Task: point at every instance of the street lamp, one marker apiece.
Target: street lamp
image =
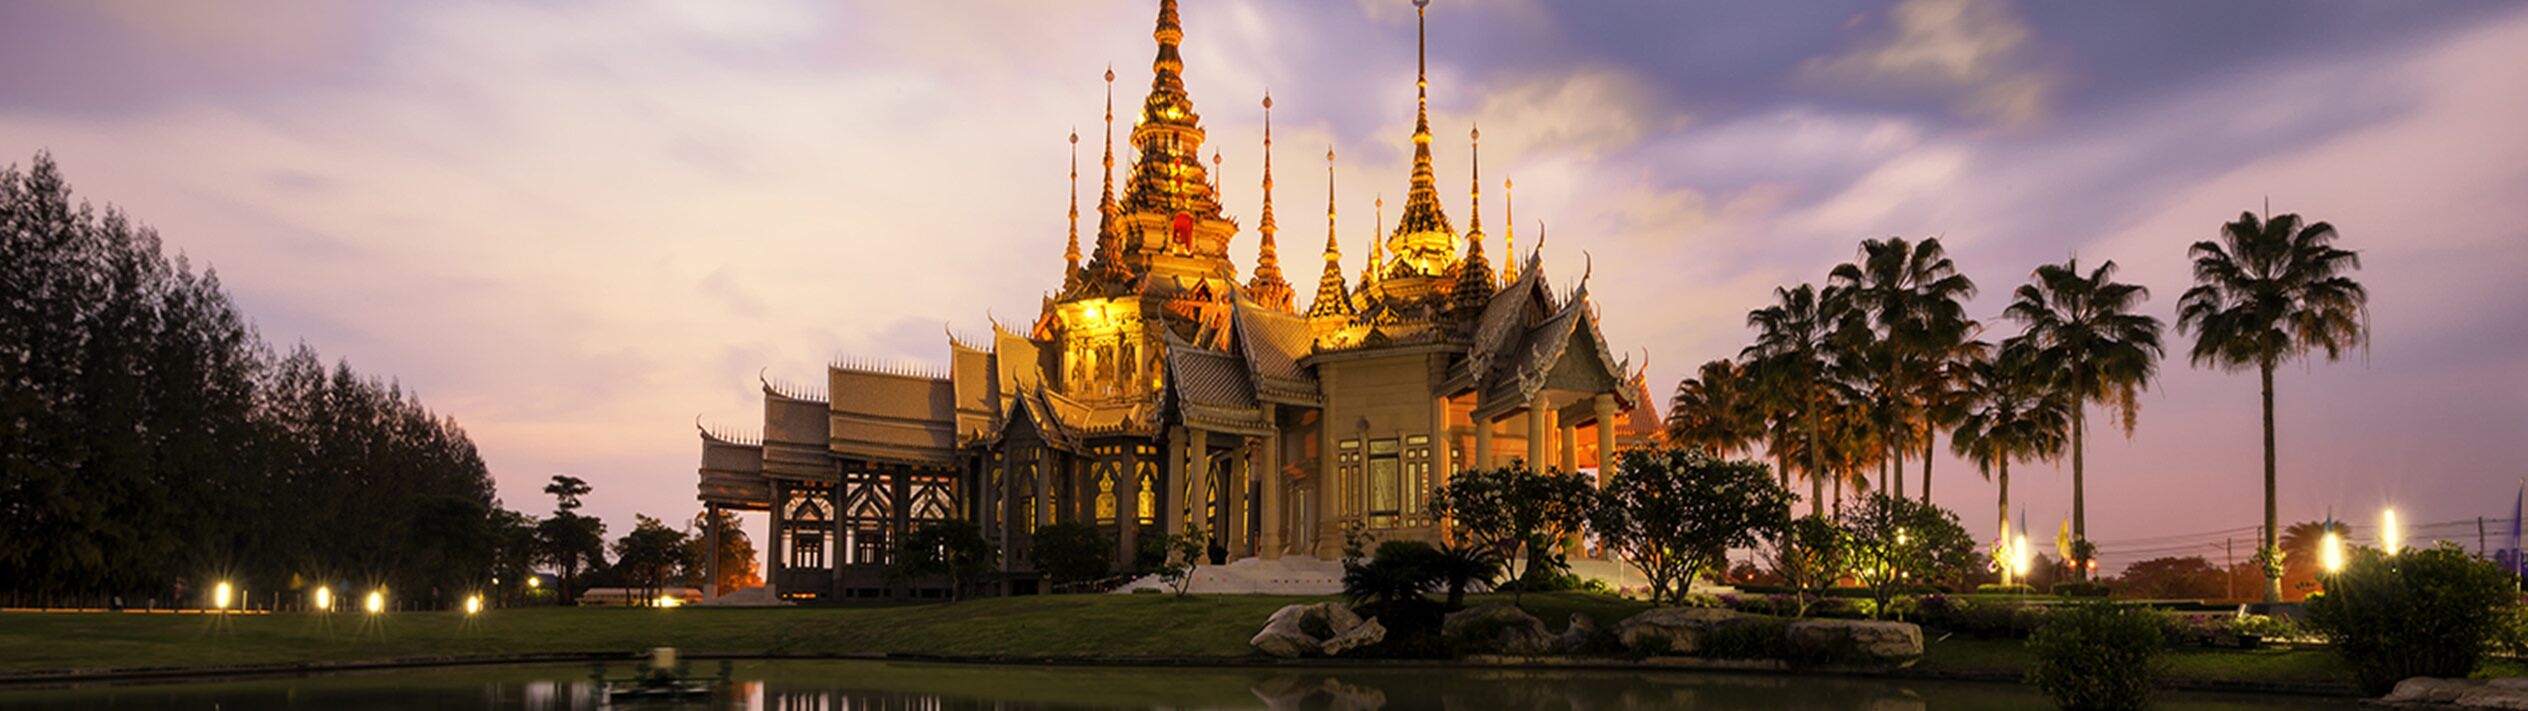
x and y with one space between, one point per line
324 599
2331 552
222 595
2388 537
376 602
474 604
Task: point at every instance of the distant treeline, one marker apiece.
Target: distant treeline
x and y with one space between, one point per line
149 438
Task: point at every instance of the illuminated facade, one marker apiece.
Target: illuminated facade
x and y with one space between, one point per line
1156 392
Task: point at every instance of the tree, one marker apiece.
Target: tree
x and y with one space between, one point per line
1675 513
514 551
566 491
2430 612
1461 566
2094 347
1185 553
1514 511
952 548
1072 552
2171 577
571 542
1913 298
2265 293
2299 546
737 567
1808 555
2010 415
651 557
1891 542
1792 340
1716 410
1399 571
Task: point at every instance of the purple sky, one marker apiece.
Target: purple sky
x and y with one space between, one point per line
577 226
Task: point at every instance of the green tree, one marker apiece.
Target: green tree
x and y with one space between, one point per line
571 542
1072 552
1675 513
651 557
952 548
1913 299
1891 543
738 568
1792 341
2265 293
1808 555
1716 410
2096 348
2011 415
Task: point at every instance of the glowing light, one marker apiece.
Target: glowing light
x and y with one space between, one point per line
669 601
2330 552
2388 537
376 602
473 604
324 599
1900 536
534 582
2019 552
222 595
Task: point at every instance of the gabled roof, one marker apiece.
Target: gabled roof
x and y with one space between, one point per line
1211 390
1523 340
1273 342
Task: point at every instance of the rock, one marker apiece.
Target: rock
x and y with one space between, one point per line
1301 630
1496 628
1576 638
2503 693
1672 630
2427 690
1368 632
1856 641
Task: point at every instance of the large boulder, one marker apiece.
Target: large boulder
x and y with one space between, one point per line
1496 628
1579 637
1672 630
1863 642
1303 630
2421 691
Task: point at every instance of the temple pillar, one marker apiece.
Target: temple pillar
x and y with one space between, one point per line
834 535
1233 521
1003 511
1046 459
1127 511
1269 543
1172 508
773 543
1441 444
1536 433
710 551
1604 406
1198 443
1566 445
1483 443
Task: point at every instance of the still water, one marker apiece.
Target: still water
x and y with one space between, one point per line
891 686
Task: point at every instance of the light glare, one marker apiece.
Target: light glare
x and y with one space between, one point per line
473 604
2331 552
222 595
324 599
2388 535
376 602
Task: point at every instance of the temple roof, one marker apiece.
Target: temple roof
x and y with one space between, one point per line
1211 390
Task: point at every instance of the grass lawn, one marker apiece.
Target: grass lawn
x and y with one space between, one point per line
1123 627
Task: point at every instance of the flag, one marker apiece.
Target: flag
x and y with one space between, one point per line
2515 563
2063 541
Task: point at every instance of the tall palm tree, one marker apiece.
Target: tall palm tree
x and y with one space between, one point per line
2088 337
1716 410
1777 403
1915 300
2010 414
1944 396
1792 335
2266 292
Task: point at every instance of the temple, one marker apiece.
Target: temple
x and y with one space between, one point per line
1156 392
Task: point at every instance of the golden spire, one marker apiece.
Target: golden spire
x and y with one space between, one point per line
1423 239
1510 241
1169 177
1268 287
1071 251
1369 272
1474 276
1333 296
1109 262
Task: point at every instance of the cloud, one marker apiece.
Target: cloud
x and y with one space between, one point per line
1969 49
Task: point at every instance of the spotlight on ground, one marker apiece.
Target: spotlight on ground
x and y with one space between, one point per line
222 595
324 599
376 602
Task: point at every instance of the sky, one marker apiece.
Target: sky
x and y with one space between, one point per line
580 227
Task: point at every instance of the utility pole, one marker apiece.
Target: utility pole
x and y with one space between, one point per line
2479 537
2229 573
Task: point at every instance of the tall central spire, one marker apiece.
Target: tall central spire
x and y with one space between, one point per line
1268 287
1169 177
1333 296
1423 241
1474 274
1071 250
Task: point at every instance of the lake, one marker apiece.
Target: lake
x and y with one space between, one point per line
886 686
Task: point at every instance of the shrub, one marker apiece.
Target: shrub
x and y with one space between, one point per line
2421 613
2266 626
1072 552
2011 589
2081 589
1703 600
1759 638
1400 570
2097 656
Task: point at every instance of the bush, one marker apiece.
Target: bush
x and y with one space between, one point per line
2421 613
1759 638
1988 619
2268 627
2098 656
2081 589
1072 552
2011 589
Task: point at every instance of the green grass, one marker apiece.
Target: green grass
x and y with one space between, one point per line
1121 627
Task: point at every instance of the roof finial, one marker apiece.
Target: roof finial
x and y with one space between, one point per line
1510 241
1332 294
1268 287
1423 241
1369 272
1474 168
1071 251
1474 276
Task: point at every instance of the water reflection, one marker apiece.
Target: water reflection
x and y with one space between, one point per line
889 686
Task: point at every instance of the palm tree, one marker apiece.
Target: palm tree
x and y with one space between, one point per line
1944 397
1776 401
1792 335
1716 410
2267 292
2009 415
2096 349
1914 299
